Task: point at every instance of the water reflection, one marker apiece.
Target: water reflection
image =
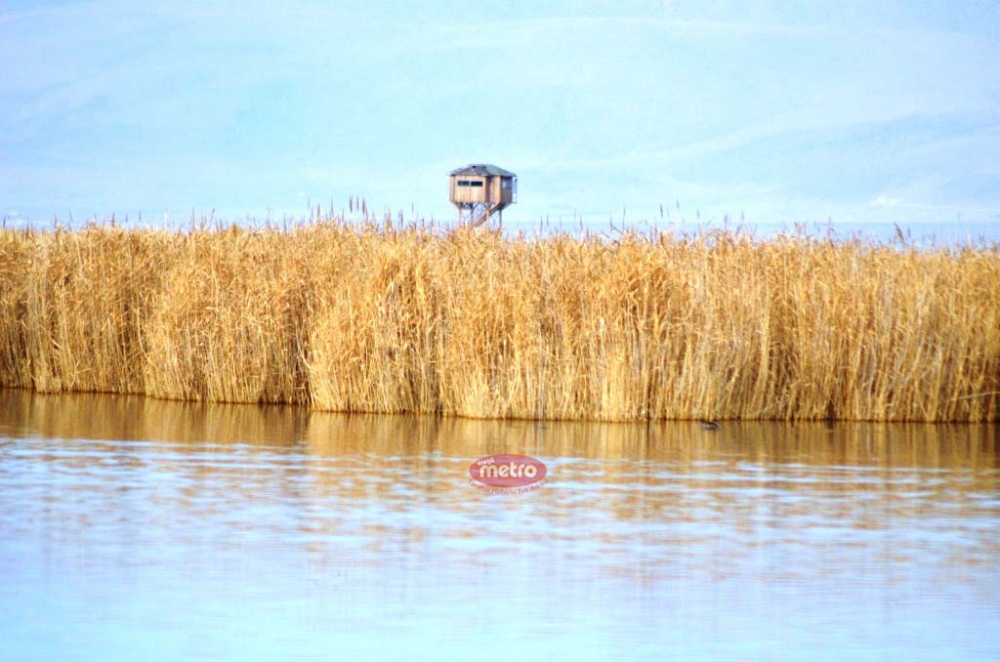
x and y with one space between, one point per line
111 417
363 533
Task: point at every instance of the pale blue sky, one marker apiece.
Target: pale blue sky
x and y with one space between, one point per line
873 112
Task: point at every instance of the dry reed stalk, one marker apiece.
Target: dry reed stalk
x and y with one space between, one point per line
72 305
230 319
378 318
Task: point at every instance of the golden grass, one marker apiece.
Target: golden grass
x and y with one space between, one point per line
378 318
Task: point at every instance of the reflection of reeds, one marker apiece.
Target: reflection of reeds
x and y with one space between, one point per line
383 319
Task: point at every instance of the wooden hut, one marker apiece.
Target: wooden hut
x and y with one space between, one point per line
480 190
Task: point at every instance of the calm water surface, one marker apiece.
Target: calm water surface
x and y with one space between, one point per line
142 529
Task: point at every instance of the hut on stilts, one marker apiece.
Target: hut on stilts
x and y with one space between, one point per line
481 190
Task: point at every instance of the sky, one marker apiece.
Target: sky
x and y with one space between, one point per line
765 111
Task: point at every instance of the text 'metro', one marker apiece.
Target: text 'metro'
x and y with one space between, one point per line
507 470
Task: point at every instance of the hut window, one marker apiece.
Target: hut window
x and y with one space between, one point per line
466 182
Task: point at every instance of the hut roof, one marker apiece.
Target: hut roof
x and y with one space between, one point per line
483 170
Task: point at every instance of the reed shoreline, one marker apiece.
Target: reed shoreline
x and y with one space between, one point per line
392 318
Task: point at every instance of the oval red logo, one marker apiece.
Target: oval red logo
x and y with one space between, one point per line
507 470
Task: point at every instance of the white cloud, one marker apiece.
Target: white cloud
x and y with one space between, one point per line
886 201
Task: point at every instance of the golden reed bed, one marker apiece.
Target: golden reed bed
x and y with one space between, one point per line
377 318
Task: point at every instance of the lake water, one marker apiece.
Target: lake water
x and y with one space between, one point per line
140 529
